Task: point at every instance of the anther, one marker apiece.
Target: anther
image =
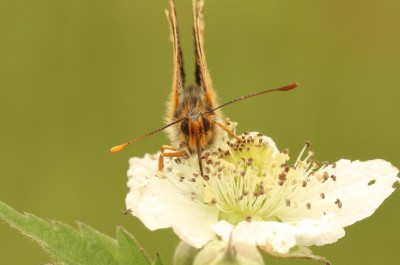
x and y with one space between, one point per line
338 203
325 176
322 195
205 155
304 184
308 206
316 162
282 177
285 151
287 201
248 219
333 177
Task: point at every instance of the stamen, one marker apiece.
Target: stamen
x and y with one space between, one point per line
338 203
302 152
248 179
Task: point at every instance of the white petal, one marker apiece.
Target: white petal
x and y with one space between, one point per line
352 187
359 197
267 140
281 237
318 232
159 204
141 170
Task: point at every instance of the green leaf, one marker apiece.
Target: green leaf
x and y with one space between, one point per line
84 246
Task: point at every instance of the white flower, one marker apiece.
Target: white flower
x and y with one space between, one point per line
250 193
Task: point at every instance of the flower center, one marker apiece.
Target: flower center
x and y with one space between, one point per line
247 180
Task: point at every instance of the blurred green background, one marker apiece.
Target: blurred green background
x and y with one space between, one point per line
79 76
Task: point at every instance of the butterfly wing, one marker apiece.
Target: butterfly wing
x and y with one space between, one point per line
201 74
179 74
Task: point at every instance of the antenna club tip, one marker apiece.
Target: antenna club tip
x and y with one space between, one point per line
118 148
290 87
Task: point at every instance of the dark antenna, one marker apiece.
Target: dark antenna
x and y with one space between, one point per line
118 148
284 88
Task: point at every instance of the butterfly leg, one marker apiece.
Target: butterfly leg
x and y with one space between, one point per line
226 129
163 154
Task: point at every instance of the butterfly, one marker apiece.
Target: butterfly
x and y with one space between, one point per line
194 121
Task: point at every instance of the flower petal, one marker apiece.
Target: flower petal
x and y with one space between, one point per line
353 192
159 204
277 236
361 188
310 232
281 237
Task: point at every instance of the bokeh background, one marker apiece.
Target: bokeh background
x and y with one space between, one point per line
79 76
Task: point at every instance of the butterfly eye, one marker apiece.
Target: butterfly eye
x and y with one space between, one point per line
206 124
185 126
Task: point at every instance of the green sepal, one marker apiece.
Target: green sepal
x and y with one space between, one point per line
297 252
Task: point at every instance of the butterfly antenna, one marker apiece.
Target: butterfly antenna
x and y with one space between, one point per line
284 88
118 148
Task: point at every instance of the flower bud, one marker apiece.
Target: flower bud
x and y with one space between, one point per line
185 254
225 253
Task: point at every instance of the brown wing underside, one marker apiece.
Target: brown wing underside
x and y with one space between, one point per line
201 74
202 77
179 73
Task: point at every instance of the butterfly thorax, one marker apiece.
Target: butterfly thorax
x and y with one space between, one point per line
196 125
192 103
